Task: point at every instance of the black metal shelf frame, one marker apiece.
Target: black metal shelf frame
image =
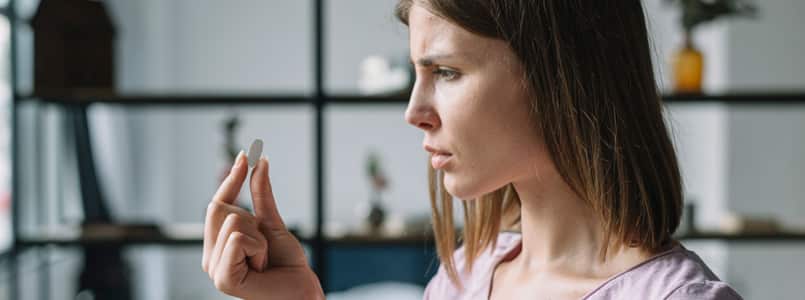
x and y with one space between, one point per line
169 240
735 98
11 15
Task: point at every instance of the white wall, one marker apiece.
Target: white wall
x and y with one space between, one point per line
352 131
754 166
698 130
766 142
766 53
262 47
354 30
265 47
248 46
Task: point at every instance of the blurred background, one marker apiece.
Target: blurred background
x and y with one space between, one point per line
118 119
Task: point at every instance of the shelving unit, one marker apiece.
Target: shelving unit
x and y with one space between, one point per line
74 238
319 100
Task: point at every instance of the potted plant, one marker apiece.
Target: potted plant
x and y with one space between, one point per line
688 62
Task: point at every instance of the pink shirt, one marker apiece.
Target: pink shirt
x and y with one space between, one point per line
674 274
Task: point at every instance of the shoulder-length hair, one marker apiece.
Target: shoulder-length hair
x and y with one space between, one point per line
596 102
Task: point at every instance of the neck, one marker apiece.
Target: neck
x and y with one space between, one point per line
560 232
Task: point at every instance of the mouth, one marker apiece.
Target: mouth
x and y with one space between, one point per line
438 158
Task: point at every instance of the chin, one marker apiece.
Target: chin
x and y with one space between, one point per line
461 189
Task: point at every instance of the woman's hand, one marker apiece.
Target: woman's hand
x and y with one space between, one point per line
254 256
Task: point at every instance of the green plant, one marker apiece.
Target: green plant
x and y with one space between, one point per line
375 173
697 12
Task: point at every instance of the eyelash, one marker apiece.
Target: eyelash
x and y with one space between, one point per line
445 74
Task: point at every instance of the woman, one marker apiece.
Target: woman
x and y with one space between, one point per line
542 114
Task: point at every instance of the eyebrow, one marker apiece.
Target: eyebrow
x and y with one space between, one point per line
429 60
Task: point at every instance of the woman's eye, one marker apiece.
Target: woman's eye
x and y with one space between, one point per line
445 74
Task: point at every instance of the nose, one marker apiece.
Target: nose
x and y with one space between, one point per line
420 112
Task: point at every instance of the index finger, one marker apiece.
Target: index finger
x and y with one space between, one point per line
265 206
230 188
225 196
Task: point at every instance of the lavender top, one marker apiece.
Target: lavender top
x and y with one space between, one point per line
677 273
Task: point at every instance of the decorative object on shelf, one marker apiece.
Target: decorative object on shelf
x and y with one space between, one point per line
73 49
379 77
418 224
688 62
375 218
231 149
231 126
687 225
746 224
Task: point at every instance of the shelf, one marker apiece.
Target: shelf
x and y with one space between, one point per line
146 100
173 235
180 99
761 98
180 234
743 97
362 100
191 235
711 236
746 237
421 240
753 98
187 235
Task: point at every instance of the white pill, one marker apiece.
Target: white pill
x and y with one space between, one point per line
255 150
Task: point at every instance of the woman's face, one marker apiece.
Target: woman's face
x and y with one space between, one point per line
470 100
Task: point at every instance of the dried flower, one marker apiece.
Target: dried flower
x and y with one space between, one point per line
697 12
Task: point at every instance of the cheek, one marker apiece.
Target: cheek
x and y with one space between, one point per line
479 172
491 160
496 141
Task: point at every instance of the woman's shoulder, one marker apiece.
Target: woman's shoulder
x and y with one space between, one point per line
674 274
474 280
715 290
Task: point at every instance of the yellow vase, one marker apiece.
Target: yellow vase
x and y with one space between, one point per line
688 66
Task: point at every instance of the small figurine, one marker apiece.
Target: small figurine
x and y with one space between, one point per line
377 214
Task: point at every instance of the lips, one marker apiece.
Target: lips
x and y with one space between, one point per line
439 158
436 151
439 161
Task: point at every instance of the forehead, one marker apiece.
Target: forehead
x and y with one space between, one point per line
431 34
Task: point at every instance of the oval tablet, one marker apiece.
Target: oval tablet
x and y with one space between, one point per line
255 150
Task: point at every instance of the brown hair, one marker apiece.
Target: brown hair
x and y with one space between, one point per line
595 100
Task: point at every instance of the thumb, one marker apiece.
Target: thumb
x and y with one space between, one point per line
265 206
283 248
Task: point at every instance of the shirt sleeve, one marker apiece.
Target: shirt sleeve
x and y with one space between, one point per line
707 290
